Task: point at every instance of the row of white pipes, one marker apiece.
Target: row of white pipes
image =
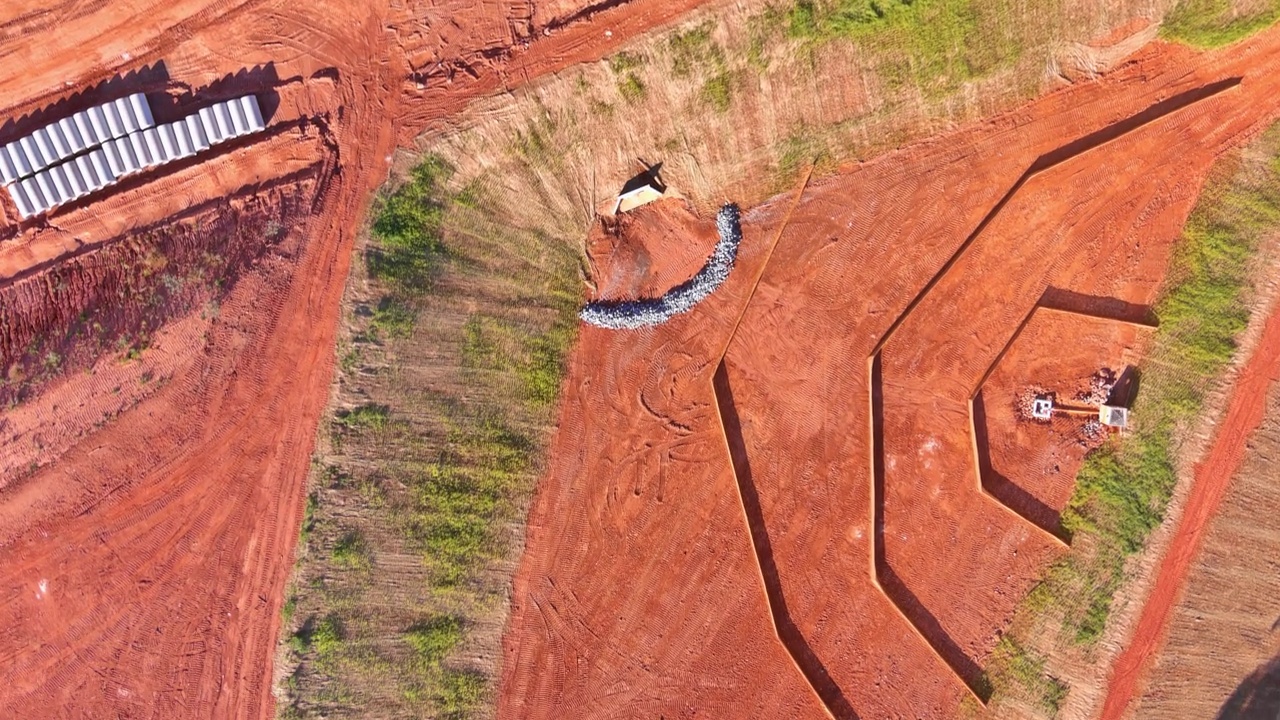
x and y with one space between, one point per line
71 136
133 152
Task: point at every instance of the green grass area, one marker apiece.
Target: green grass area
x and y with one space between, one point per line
436 467
1124 487
1012 665
351 552
1214 23
458 498
935 44
364 417
408 253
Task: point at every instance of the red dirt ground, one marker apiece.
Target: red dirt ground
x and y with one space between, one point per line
1033 463
885 573
142 565
1213 475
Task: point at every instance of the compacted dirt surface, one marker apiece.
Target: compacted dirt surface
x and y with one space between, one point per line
783 503
168 345
798 500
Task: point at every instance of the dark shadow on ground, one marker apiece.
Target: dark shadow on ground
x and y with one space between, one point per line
792 639
1257 697
1026 505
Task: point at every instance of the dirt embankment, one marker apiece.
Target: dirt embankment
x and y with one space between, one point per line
846 463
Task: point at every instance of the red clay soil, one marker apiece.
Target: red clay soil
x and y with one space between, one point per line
1212 476
142 566
1032 464
622 250
846 463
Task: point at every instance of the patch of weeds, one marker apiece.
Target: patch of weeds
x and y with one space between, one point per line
409 248
1214 23
287 610
351 359
364 417
693 52
326 637
458 498
393 317
625 62
462 692
535 142
1015 670
434 638
718 91
940 43
351 552
631 88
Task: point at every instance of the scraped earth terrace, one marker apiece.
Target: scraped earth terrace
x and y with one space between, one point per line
807 497
168 341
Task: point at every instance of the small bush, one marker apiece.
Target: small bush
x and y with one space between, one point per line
462 692
718 91
326 637
631 88
625 61
434 638
364 417
393 317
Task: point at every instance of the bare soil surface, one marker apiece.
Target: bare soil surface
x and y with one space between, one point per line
833 423
152 491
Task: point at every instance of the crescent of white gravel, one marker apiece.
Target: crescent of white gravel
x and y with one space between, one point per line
635 314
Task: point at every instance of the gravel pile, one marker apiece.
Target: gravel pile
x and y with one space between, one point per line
633 314
1099 387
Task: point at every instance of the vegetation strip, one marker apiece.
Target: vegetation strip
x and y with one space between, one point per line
456 364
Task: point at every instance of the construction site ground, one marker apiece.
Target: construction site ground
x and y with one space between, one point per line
770 507
785 482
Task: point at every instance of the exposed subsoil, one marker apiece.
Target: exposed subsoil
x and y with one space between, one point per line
146 534
784 518
1032 464
646 252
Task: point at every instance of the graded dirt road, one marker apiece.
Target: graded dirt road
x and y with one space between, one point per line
152 485
785 517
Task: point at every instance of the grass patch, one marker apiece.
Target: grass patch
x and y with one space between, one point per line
693 52
718 91
434 638
462 693
1123 488
1214 23
631 88
935 44
439 444
409 252
351 552
364 417
393 318
458 498
1015 666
